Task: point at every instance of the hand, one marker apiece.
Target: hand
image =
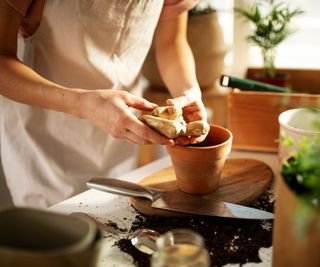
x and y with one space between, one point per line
193 110
110 110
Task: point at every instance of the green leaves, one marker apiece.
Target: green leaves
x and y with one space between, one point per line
302 171
252 13
203 7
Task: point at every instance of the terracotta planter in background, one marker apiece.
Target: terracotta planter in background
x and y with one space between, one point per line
288 248
253 117
281 79
198 167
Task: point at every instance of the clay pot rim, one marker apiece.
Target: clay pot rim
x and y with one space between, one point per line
183 147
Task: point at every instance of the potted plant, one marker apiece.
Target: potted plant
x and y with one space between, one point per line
296 233
205 37
272 25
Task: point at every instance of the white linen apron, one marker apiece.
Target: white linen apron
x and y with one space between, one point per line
48 156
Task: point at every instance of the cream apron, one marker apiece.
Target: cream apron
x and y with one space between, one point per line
48 156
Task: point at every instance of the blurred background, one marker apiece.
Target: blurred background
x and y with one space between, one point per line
299 51
218 37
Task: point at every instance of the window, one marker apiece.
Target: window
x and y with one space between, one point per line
302 49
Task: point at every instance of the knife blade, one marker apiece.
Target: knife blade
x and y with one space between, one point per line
176 200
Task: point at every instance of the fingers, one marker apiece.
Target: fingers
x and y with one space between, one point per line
133 138
190 96
184 140
138 102
194 112
121 123
196 116
140 133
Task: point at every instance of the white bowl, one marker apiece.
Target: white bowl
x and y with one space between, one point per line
296 124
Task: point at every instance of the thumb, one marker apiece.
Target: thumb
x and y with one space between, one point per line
139 103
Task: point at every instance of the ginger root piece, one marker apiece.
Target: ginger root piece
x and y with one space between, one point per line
168 112
197 128
168 121
169 128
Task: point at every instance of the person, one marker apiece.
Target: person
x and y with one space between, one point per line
69 104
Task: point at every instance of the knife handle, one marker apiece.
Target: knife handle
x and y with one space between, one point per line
123 188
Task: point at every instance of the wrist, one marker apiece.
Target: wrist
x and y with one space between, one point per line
193 93
75 100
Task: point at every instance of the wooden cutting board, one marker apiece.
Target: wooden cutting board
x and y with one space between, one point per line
242 182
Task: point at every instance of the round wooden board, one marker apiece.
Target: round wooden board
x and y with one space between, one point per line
242 182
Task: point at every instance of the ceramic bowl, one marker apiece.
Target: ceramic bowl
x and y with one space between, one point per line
296 124
31 237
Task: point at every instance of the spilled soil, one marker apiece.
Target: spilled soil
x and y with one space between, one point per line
227 240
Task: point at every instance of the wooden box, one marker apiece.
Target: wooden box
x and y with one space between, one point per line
253 117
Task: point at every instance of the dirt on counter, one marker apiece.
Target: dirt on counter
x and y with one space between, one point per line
227 240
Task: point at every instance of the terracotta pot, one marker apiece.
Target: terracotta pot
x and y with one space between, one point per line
288 248
206 40
198 167
280 79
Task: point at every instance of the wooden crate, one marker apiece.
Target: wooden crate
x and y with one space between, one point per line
253 117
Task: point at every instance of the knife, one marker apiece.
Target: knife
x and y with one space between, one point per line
177 200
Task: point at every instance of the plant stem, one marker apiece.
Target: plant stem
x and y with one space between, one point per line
268 55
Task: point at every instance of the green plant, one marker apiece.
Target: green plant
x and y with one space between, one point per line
301 172
271 20
203 7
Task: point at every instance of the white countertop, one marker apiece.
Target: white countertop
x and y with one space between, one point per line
108 207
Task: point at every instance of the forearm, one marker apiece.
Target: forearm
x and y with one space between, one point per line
19 83
177 68
174 57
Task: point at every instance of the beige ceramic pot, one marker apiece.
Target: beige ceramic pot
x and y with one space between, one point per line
30 237
198 167
288 248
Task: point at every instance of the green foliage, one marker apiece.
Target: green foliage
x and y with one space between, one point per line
302 170
270 28
203 7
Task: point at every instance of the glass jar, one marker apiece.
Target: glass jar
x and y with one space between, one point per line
180 247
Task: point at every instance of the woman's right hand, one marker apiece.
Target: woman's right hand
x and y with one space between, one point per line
111 110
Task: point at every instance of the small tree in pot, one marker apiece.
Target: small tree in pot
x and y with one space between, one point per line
272 25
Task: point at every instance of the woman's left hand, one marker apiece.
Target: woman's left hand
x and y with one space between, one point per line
193 110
